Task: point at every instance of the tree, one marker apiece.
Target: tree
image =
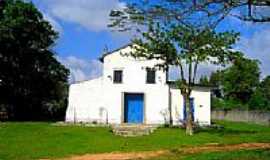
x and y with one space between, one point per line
190 12
260 98
216 78
241 79
33 84
186 48
204 80
247 10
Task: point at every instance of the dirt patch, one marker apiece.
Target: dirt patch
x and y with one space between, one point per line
187 150
233 147
118 156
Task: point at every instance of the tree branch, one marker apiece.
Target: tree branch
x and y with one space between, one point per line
181 70
195 70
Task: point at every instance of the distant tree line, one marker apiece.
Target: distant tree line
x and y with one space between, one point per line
33 84
239 86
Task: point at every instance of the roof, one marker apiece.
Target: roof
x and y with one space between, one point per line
210 87
115 50
86 80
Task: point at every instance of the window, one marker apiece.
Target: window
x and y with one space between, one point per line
151 76
117 76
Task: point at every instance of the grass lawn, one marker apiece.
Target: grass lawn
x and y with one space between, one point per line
33 140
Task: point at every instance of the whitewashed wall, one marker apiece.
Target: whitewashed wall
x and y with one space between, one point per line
134 81
85 100
202 103
90 100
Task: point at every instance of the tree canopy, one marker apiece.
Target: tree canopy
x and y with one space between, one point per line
33 84
241 79
260 98
186 48
189 12
240 86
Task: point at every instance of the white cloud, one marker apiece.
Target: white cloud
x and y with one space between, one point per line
91 14
56 26
81 69
255 46
258 47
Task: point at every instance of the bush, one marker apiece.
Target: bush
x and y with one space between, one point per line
227 104
259 101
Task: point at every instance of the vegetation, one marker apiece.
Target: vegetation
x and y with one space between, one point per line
240 87
190 13
26 141
175 40
227 104
260 98
240 80
186 48
33 84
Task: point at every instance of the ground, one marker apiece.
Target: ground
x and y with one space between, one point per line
32 140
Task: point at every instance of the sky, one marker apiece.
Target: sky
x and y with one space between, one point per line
83 36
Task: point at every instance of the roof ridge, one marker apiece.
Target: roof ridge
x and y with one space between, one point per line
115 50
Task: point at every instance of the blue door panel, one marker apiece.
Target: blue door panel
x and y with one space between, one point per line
133 108
192 109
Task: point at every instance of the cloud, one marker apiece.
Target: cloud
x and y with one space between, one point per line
56 26
257 47
90 14
254 46
81 69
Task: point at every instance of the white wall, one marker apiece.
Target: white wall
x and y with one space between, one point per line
202 100
87 98
134 81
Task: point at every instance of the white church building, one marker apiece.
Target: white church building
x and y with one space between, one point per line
133 90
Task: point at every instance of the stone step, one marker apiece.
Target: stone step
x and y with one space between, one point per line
131 130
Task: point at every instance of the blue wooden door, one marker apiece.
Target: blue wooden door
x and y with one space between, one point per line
133 112
192 109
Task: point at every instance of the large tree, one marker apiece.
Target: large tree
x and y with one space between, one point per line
33 84
260 98
188 12
186 48
241 79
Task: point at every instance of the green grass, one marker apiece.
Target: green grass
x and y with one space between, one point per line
233 155
34 140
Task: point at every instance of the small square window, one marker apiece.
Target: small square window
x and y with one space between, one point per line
117 76
150 76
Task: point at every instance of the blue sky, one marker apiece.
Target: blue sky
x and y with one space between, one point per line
82 25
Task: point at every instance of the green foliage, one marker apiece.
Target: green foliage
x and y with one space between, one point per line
179 45
199 13
33 83
216 78
241 79
204 80
27 141
260 98
227 104
186 48
241 86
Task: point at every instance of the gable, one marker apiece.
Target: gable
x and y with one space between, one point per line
121 57
116 51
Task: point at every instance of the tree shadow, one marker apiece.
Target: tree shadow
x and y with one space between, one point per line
224 131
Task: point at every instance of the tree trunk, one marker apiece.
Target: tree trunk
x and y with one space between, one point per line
189 120
170 108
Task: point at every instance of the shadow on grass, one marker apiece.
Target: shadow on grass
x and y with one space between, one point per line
224 131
